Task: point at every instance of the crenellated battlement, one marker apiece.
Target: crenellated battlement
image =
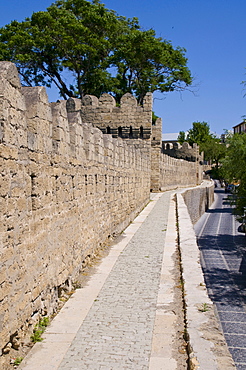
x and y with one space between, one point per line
184 151
128 120
29 121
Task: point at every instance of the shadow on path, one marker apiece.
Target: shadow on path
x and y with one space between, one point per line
224 267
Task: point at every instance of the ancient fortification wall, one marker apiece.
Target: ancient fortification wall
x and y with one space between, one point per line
169 172
184 151
129 120
179 172
64 189
68 182
199 199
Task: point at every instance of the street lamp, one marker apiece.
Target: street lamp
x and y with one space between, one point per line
244 220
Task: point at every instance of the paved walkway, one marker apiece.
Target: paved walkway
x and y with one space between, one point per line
123 318
223 250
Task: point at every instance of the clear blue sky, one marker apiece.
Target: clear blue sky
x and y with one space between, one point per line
213 33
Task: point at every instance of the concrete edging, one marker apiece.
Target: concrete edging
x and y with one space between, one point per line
195 293
207 346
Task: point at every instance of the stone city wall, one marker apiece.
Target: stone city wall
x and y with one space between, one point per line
184 151
179 172
199 199
168 172
65 188
127 120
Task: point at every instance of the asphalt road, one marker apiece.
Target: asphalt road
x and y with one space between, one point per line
223 256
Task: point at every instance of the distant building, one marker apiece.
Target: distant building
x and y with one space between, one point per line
170 138
241 127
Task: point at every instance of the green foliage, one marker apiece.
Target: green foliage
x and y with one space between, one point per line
36 336
216 173
234 163
204 307
18 361
181 137
200 134
44 322
145 63
39 329
95 49
154 117
214 150
234 168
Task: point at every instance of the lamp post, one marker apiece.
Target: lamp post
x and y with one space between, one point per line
244 220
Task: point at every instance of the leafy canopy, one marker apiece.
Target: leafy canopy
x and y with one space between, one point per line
234 167
208 143
199 133
84 48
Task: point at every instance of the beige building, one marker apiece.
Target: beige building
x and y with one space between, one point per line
240 128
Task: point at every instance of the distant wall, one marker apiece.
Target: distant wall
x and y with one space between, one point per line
184 151
179 172
199 199
181 169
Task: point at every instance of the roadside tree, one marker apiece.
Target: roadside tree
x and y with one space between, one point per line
234 168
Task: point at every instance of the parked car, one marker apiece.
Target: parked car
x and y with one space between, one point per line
242 228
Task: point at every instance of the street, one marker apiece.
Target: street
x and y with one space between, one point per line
223 258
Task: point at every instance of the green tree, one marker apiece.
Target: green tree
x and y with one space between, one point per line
200 134
93 48
181 137
69 41
234 168
214 150
146 64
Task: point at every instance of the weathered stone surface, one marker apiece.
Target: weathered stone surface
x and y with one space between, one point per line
65 188
59 203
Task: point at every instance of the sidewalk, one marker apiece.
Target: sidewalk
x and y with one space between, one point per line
124 318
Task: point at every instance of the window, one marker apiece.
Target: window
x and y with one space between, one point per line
120 131
141 132
130 133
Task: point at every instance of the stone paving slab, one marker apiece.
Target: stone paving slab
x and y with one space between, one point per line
120 319
222 248
201 356
207 345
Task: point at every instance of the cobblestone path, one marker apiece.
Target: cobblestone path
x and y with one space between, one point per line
117 332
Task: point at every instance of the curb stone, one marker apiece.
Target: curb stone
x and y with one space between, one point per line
199 307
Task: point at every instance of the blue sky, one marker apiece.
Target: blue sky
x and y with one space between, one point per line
212 32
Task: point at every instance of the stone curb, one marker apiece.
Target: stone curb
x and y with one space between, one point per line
195 293
202 348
